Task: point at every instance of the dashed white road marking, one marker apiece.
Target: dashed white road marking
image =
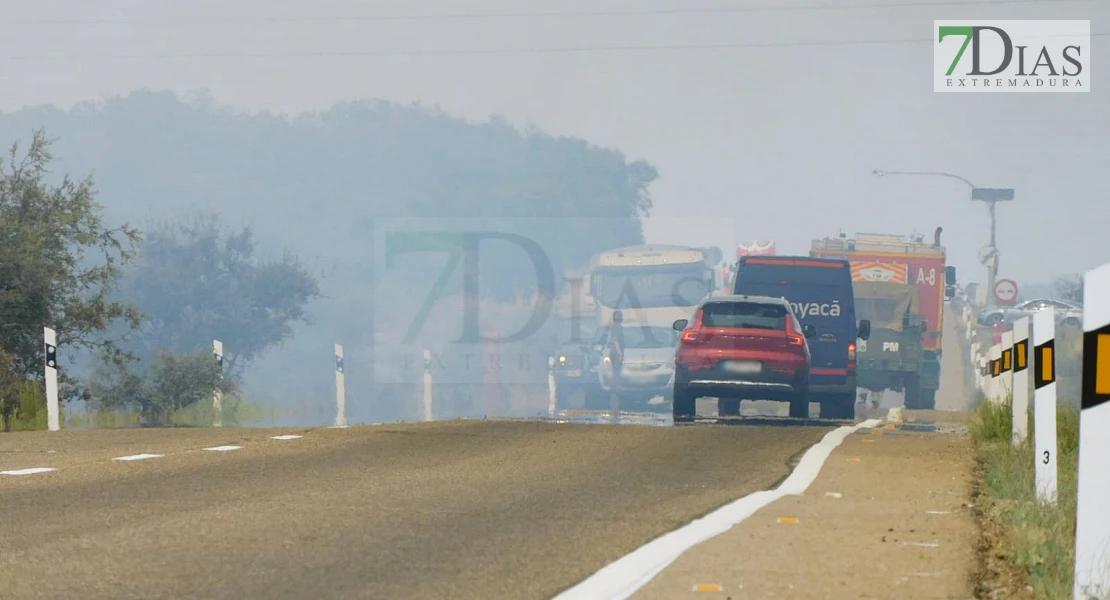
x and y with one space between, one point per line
286 437
223 448
31 471
922 544
139 457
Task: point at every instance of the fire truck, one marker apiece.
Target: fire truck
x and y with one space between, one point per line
903 282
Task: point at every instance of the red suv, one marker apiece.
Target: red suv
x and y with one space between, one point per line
742 347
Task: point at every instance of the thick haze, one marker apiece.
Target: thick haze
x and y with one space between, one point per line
783 139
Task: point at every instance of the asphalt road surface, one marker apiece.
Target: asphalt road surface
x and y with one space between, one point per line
464 510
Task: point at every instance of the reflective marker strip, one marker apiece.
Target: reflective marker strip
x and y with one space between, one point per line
996 367
1021 354
1045 369
1007 362
1096 367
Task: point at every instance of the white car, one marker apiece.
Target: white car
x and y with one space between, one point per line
1066 312
648 369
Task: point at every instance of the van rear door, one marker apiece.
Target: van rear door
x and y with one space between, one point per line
821 295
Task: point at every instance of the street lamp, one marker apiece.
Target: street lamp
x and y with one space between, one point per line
990 196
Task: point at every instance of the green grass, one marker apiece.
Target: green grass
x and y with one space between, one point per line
236 412
1037 539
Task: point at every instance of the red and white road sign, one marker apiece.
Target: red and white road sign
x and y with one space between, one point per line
1005 291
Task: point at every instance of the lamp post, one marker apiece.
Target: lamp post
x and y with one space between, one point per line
990 196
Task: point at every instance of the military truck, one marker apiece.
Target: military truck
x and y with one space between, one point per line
894 356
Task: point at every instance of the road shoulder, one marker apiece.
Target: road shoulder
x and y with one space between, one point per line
888 516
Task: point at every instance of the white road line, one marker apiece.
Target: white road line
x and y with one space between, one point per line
139 457
622 578
223 448
31 471
286 437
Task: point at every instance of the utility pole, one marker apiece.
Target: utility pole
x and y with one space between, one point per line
991 196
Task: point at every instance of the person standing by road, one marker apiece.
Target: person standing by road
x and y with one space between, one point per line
616 343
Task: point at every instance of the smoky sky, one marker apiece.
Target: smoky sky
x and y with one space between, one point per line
758 125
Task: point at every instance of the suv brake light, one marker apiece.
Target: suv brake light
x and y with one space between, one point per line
793 338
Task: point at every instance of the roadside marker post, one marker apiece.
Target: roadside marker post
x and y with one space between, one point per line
53 410
1007 377
1092 539
217 397
340 389
552 391
1020 404
995 383
427 385
985 374
1043 363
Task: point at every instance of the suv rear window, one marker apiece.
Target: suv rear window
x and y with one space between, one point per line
748 315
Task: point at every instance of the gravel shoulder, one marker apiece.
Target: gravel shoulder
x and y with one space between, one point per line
888 517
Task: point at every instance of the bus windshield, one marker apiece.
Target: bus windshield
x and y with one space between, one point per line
652 286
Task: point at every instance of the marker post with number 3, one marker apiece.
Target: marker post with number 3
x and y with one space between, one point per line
1092 538
1043 363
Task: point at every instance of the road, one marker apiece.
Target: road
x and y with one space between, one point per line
466 510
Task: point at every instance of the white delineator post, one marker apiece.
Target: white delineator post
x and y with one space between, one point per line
993 386
1044 404
340 389
1092 539
1020 404
53 410
427 385
218 352
1007 377
552 392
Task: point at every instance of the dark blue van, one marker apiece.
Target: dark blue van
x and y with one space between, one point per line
820 292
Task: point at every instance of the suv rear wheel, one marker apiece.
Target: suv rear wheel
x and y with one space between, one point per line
685 403
799 406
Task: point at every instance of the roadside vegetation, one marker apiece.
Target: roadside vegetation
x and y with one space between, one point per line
136 307
1036 540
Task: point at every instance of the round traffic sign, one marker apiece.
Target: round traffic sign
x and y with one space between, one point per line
1005 290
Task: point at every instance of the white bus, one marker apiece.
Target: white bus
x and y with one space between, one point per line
654 284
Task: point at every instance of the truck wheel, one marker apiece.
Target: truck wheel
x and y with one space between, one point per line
799 406
684 404
913 392
728 407
839 406
928 400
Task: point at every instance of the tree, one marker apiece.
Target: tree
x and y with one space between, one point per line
1070 288
58 265
168 383
195 282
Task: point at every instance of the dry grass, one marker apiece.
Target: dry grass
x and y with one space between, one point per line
1038 540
